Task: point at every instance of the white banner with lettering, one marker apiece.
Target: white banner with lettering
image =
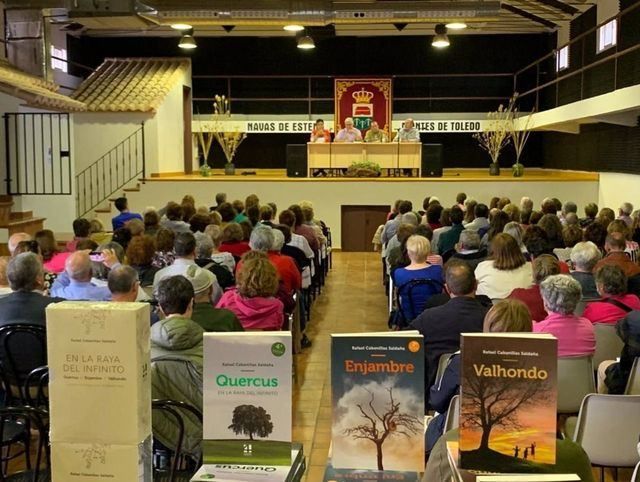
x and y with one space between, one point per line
298 126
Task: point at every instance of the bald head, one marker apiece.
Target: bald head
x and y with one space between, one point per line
15 239
408 124
78 266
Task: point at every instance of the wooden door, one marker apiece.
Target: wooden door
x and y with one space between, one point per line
187 137
359 224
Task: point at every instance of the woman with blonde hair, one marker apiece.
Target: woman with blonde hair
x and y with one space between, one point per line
412 301
253 299
507 269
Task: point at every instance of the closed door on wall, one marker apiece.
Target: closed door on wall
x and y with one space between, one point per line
359 224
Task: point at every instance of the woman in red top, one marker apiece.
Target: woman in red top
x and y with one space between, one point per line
233 241
611 283
319 133
543 266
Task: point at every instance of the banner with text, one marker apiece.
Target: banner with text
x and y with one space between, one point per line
280 126
364 100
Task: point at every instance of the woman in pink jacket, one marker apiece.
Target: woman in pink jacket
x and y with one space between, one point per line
253 299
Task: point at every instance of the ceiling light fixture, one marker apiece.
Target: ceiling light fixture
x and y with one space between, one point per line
456 25
294 27
440 39
181 26
187 41
306 43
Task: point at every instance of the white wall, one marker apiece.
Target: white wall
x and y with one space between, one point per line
328 196
7 104
170 134
616 188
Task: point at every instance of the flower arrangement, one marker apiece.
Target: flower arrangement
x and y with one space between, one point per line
519 130
495 136
364 169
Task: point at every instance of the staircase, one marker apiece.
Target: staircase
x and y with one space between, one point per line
16 221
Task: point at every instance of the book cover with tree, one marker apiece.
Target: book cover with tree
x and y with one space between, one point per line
247 398
508 402
378 402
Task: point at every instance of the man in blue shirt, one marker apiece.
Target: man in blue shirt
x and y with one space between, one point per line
75 282
121 219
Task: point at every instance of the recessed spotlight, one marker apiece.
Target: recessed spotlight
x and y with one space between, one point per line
294 27
187 42
180 26
306 43
440 39
456 25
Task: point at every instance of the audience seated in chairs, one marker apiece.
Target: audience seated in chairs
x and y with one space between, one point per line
561 294
140 254
391 226
468 249
222 258
233 240
413 298
480 221
584 257
204 259
543 267
441 326
253 300
615 245
506 270
76 281
613 376
448 239
615 301
176 361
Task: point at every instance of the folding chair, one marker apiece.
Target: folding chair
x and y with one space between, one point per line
608 343
633 384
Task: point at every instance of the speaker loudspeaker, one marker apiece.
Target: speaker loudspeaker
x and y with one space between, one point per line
297 160
431 160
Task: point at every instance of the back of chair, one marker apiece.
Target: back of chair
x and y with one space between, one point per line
582 304
442 366
23 348
575 380
34 419
608 343
633 384
36 388
176 411
409 292
453 414
636 473
608 428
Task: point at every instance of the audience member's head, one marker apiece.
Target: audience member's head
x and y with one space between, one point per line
274 208
215 233
470 210
404 231
569 207
297 211
25 272
508 315
232 233
238 206
215 218
15 238
188 211
251 200
266 213
525 218
175 296
141 250
571 235
122 236
405 207
502 202
584 256
459 279
497 224
164 240
493 204
535 217
199 222
81 228
560 294
48 243
151 220
468 241
619 226
513 212
246 229
596 233
174 211
184 245
526 204
418 249
227 212
409 218
610 280
625 209
256 277
288 218
481 210
123 283
424 230
286 232
253 213
122 204
571 219
221 198
615 242
544 266
201 282
204 245
591 210
461 198
261 239
136 227
78 267
32 247
515 230
553 227
548 206
456 215
433 213
278 240
96 226
506 253
606 216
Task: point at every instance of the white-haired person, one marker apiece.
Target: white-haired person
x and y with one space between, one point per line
584 257
418 250
348 133
624 213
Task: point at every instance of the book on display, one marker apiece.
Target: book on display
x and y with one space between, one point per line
247 398
377 382
508 402
255 473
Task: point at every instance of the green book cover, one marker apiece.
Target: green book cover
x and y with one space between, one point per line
377 383
247 398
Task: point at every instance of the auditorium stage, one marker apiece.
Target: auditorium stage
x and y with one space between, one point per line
449 175
331 196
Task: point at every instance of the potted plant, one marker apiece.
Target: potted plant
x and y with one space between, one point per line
364 169
205 170
519 130
495 136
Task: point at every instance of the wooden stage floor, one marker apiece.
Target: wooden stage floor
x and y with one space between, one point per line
450 175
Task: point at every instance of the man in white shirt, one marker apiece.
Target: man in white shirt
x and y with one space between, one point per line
349 133
185 251
481 221
408 133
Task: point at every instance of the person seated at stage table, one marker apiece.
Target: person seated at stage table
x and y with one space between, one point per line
319 133
374 134
408 133
349 133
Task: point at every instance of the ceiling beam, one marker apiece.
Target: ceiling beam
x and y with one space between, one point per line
558 5
528 15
